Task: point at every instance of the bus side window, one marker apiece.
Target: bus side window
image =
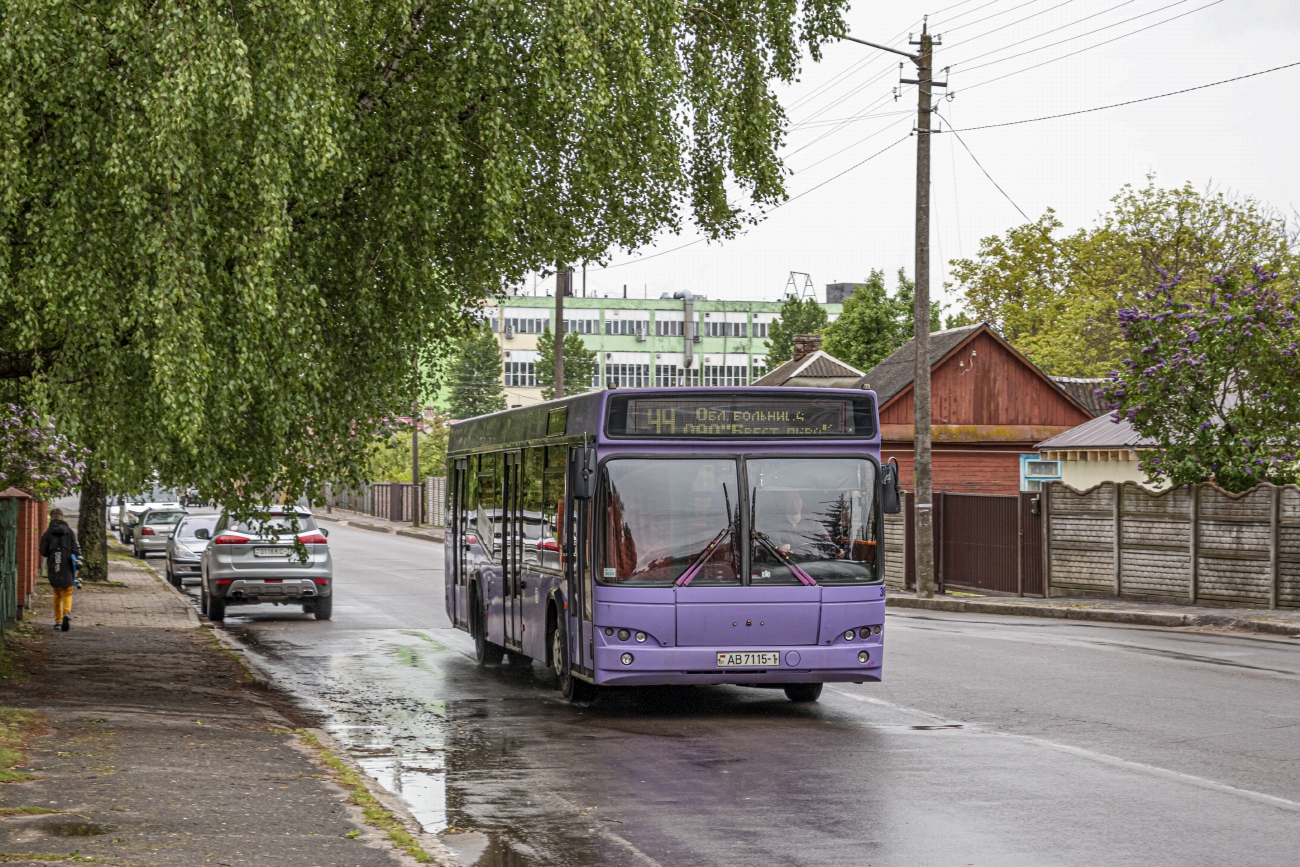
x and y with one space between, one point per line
469 506
555 531
531 504
487 523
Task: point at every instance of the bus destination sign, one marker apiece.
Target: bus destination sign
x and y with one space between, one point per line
756 417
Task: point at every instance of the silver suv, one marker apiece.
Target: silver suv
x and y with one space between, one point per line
256 561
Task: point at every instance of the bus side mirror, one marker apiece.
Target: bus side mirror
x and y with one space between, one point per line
582 468
890 501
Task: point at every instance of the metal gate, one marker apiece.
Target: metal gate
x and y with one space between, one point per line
985 542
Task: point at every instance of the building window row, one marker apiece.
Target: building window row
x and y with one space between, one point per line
582 326
626 326
521 374
726 329
669 328
514 325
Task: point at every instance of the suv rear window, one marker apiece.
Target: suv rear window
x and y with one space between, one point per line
272 525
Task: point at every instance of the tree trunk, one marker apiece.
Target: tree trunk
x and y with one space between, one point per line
91 532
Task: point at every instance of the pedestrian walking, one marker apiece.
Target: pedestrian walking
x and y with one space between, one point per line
60 549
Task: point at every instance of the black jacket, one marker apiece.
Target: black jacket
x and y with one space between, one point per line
58 544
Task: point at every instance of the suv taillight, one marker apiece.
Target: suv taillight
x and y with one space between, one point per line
223 539
314 539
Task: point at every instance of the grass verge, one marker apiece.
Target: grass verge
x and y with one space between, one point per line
375 813
50 857
5 812
245 673
16 726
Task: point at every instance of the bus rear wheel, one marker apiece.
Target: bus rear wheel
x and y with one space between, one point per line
803 691
485 652
575 691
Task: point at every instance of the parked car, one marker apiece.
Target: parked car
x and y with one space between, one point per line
185 548
129 514
152 530
257 561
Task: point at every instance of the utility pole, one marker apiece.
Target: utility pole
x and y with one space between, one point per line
416 415
563 286
924 497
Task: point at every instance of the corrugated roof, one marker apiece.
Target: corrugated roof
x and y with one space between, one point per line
815 365
1084 391
1100 433
896 372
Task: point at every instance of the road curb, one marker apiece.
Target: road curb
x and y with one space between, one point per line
436 538
1098 615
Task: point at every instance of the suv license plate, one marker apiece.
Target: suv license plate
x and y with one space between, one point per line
749 659
272 552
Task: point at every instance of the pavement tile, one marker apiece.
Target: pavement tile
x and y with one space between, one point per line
157 748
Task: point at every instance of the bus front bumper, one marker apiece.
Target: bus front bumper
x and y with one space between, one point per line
652 665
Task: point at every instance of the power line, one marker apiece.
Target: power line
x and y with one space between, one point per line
1017 21
1130 101
969 11
855 118
1091 47
774 208
1072 38
994 15
851 146
1044 33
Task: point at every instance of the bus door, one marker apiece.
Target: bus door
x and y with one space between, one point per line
456 532
578 571
512 550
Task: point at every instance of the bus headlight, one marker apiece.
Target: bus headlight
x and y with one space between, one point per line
848 635
626 659
623 635
863 657
640 638
864 632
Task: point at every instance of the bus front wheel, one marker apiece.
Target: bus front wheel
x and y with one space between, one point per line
575 691
485 652
803 691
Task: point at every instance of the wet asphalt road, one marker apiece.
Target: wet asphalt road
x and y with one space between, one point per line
992 741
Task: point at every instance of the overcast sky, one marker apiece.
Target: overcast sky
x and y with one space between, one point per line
1241 136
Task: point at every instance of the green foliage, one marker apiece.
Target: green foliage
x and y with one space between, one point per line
960 319
797 317
474 375
390 460
580 364
230 228
1214 380
872 324
1055 297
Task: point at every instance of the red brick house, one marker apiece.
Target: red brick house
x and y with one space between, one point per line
990 407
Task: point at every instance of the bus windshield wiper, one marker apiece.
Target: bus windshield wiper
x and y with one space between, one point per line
699 561
764 540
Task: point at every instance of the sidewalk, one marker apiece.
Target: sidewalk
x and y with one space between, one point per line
1281 621
156 747
380 525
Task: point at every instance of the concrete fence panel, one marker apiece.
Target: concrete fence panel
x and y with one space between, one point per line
1197 543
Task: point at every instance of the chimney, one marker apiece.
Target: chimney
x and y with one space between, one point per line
805 345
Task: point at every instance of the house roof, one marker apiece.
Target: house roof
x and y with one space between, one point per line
1084 390
1103 432
814 365
897 372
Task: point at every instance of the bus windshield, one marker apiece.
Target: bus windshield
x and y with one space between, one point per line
814 516
665 518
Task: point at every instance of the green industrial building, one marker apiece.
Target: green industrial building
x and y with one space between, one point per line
668 341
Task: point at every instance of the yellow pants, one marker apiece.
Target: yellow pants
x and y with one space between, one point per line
62 603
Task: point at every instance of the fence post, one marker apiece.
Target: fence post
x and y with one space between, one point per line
939 537
1020 546
1045 508
1119 534
1274 545
1194 531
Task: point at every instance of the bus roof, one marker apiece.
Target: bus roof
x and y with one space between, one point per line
584 416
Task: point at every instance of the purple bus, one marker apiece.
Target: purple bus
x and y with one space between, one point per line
674 536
